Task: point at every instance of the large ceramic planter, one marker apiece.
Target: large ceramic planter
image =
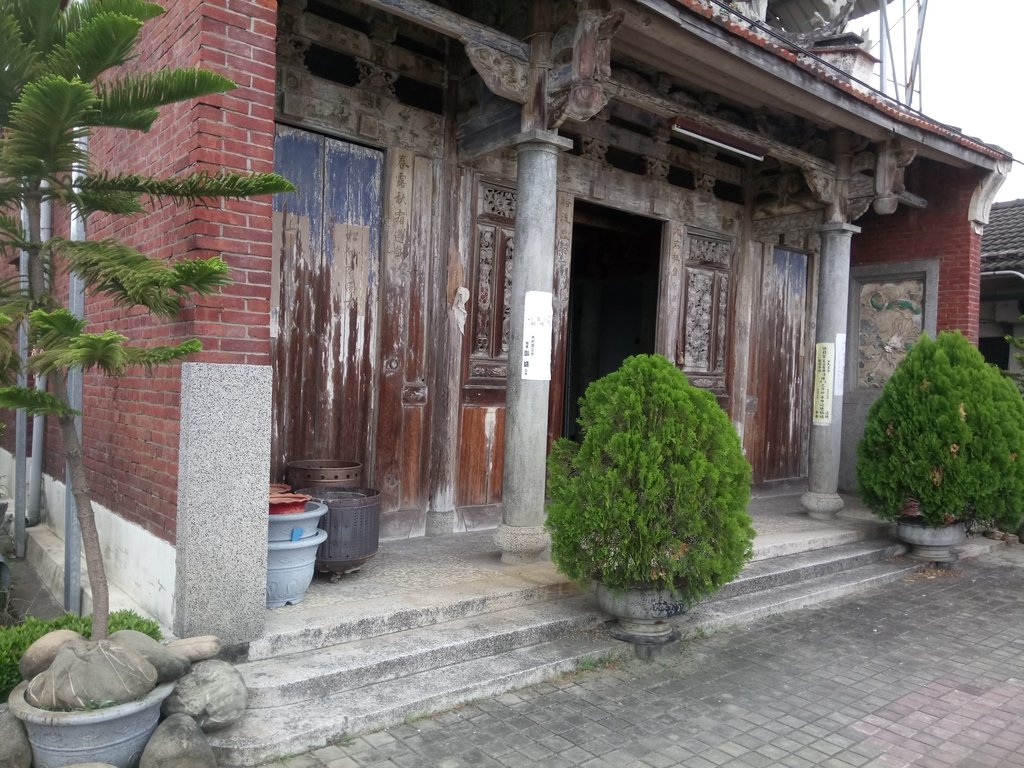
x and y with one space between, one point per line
116 735
290 569
932 544
643 614
298 525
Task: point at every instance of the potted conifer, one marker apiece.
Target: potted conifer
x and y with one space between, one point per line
943 447
651 504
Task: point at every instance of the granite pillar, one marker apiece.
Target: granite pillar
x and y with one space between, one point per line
822 500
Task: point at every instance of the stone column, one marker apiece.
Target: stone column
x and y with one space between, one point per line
521 535
822 501
223 471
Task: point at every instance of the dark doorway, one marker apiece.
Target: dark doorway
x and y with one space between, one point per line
613 296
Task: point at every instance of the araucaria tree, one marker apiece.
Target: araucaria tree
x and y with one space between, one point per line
62 78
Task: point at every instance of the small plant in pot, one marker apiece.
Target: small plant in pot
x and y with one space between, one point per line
651 504
943 447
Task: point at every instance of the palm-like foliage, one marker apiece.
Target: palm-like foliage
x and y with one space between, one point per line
60 80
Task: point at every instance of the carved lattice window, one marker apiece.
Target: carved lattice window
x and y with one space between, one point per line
703 337
493 252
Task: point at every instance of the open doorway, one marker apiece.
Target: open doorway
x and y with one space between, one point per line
613 296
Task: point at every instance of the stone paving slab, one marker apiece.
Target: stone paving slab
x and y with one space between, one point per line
927 671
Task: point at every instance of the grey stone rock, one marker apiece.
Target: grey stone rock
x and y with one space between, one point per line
15 751
92 765
88 674
169 665
197 648
213 693
178 742
40 655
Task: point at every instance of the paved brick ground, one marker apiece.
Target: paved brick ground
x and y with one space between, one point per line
926 672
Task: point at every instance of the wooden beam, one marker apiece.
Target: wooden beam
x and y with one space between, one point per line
451 24
658 104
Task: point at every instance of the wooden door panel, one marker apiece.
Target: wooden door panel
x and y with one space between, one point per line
777 434
326 253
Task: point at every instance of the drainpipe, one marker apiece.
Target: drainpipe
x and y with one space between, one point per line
35 473
72 531
5 575
21 419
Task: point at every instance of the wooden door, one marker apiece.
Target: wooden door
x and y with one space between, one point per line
324 298
777 433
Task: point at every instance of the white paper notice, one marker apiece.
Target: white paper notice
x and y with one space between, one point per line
537 336
824 376
840 363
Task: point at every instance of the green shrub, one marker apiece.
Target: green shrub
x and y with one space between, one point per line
15 640
656 493
947 435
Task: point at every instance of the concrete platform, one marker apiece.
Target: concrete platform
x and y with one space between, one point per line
432 574
432 623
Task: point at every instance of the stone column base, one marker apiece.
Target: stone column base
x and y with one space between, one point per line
523 543
440 523
822 506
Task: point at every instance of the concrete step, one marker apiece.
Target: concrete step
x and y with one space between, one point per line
744 608
311 675
265 734
760 575
810 535
373 618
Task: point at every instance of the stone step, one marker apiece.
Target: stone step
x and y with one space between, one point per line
266 734
813 536
744 608
373 618
780 571
311 675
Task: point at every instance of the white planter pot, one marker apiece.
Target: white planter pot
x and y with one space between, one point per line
116 735
932 544
643 614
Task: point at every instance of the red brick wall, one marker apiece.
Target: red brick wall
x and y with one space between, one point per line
940 231
131 422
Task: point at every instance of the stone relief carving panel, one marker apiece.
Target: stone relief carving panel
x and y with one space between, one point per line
891 315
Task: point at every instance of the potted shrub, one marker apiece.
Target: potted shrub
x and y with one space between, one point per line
62 80
943 447
651 504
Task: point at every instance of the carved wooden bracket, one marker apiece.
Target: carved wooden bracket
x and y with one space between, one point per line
591 66
581 95
889 170
503 74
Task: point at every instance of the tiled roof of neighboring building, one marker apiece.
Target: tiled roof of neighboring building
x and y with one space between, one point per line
1002 244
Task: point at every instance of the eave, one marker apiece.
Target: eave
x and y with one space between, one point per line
689 42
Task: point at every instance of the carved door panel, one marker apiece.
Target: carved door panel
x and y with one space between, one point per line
485 353
702 340
776 436
327 238
485 345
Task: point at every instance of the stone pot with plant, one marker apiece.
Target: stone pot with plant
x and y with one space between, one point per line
64 79
651 504
943 447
